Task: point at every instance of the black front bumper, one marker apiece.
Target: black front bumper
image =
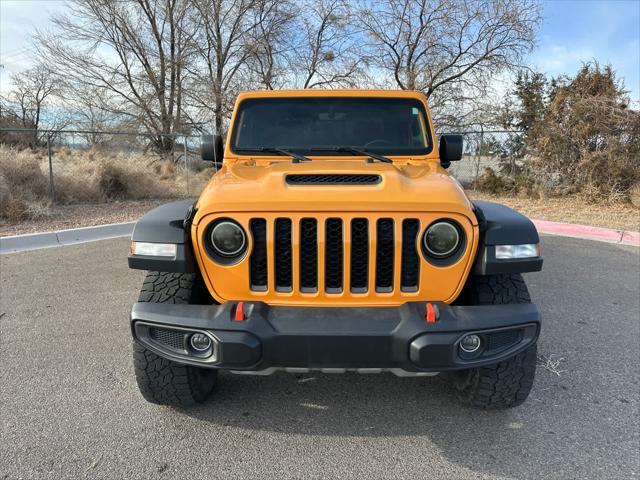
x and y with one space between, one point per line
336 338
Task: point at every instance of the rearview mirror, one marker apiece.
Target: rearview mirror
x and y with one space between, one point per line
211 149
450 149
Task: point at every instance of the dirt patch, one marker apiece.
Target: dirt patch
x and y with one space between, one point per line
74 216
570 209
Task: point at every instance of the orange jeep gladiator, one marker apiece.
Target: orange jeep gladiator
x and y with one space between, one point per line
332 238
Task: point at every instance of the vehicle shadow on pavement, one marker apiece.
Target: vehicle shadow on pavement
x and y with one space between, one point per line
381 406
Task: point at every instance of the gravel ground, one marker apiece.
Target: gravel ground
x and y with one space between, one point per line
571 209
69 406
61 217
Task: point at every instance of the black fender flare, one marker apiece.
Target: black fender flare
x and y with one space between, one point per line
501 225
168 223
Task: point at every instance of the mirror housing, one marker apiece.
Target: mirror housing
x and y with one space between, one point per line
450 149
211 149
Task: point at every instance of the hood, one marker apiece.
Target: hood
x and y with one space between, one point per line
268 186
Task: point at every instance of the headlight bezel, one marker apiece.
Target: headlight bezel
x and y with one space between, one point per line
215 252
453 255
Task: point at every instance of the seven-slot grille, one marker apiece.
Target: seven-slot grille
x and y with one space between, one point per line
321 262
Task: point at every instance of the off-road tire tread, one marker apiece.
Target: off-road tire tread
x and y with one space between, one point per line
499 290
165 382
167 287
160 380
502 385
508 383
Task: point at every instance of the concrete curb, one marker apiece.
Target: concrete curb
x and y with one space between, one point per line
35 241
586 232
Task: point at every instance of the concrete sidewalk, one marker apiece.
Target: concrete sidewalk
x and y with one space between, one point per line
35 241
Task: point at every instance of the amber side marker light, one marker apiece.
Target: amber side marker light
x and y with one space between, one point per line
148 249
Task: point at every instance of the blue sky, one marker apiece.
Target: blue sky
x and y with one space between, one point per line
578 31
573 32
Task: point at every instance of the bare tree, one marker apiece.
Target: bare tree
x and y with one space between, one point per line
269 42
452 45
32 90
222 46
135 51
90 110
323 53
170 64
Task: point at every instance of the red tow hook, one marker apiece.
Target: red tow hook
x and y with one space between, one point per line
432 313
239 317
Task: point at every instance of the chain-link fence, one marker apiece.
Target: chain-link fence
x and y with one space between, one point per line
129 160
493 149
65 154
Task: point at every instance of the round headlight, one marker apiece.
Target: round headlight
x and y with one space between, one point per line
228 238
441 239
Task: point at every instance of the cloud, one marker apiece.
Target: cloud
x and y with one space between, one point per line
18 21
558 59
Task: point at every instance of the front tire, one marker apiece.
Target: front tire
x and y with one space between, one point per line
504 384
163 381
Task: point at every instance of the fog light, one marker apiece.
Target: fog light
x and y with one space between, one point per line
200 342
470 343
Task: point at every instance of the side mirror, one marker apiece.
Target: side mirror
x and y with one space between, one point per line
211 149
450 149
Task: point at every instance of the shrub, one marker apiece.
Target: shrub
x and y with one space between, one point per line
634 195
88 176
111 181
589 141
23 186
580 136
489 182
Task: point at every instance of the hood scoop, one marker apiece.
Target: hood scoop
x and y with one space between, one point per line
333 179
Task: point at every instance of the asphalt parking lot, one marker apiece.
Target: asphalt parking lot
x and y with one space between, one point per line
70 408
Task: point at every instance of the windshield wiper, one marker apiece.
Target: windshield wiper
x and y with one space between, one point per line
355 151
281 151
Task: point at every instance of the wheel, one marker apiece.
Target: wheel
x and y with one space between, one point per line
508 383
160 380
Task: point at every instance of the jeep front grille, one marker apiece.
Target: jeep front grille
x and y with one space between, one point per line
258 259
283 255
384 255
317 249
308 255
334 246
410 277
359 255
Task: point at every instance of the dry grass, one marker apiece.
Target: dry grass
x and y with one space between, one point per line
551 363
88 177
60 217
634 195
571 209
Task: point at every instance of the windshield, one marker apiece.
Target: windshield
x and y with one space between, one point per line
392 126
